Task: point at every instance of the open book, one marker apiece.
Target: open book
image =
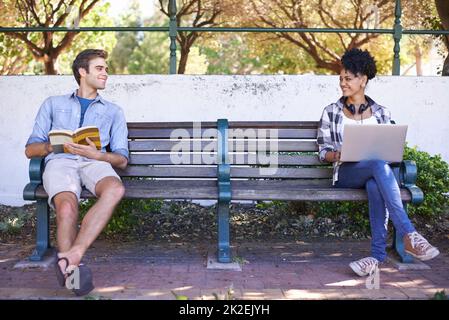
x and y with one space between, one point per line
59 137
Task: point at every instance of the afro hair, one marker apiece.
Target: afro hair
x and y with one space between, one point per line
359 62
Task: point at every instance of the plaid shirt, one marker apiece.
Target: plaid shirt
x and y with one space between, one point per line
330 127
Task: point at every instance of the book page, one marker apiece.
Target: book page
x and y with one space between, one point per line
92 132
58 138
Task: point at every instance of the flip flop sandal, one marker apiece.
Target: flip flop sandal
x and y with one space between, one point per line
59 274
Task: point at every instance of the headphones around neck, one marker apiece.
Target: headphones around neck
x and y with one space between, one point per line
351 107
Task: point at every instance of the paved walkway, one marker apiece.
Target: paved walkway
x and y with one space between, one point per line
293 270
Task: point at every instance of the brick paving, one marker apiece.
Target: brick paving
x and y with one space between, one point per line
287 270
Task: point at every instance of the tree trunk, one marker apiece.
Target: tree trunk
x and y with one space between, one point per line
418 59
443 13
49 63
445 71
183 60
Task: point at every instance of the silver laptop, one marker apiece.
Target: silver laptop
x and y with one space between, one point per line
373 141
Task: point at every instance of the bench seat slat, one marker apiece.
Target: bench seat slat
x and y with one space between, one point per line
286 173
241 190
159 189
287 190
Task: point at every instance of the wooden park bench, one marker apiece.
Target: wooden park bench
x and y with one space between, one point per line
224 161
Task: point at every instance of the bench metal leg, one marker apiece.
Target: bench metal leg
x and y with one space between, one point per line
42 231
224 249
224 191
398 244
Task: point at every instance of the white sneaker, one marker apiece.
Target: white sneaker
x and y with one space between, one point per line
365 266
416 245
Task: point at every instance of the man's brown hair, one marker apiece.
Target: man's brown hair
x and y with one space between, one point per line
83 58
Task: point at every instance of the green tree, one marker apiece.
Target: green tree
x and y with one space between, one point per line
126 41
151 56
324 49
13 60
195 13
230 54
46 47
99 39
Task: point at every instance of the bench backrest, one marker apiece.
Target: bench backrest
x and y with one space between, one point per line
171 150
188 150
292 152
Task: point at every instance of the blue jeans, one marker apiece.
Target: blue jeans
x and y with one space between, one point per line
384 200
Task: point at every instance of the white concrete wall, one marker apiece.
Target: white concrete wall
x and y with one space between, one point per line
421 102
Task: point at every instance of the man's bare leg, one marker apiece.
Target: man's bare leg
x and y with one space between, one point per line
110 191
66 206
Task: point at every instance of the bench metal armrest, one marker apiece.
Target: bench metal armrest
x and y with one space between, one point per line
36 170
408 174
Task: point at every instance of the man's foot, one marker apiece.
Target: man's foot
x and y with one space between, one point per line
66 262
73 256
417 246
365 266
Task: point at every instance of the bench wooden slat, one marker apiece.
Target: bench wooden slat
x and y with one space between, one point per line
274 124
232 124
171 171
169 145
244 159
236 146
159 189
282 160
285 173
166 133
236 172
273 146
168 125
171 189
289 190
297 133
167 159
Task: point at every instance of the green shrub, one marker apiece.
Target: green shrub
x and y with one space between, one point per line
14 223
433 179
356 211
124 218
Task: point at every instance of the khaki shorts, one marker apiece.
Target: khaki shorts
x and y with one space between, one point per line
71 174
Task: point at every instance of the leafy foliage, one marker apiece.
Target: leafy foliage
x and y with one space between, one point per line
124 218
440 295
14 223
433 179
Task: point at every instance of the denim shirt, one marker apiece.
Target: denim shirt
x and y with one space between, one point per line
64 112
